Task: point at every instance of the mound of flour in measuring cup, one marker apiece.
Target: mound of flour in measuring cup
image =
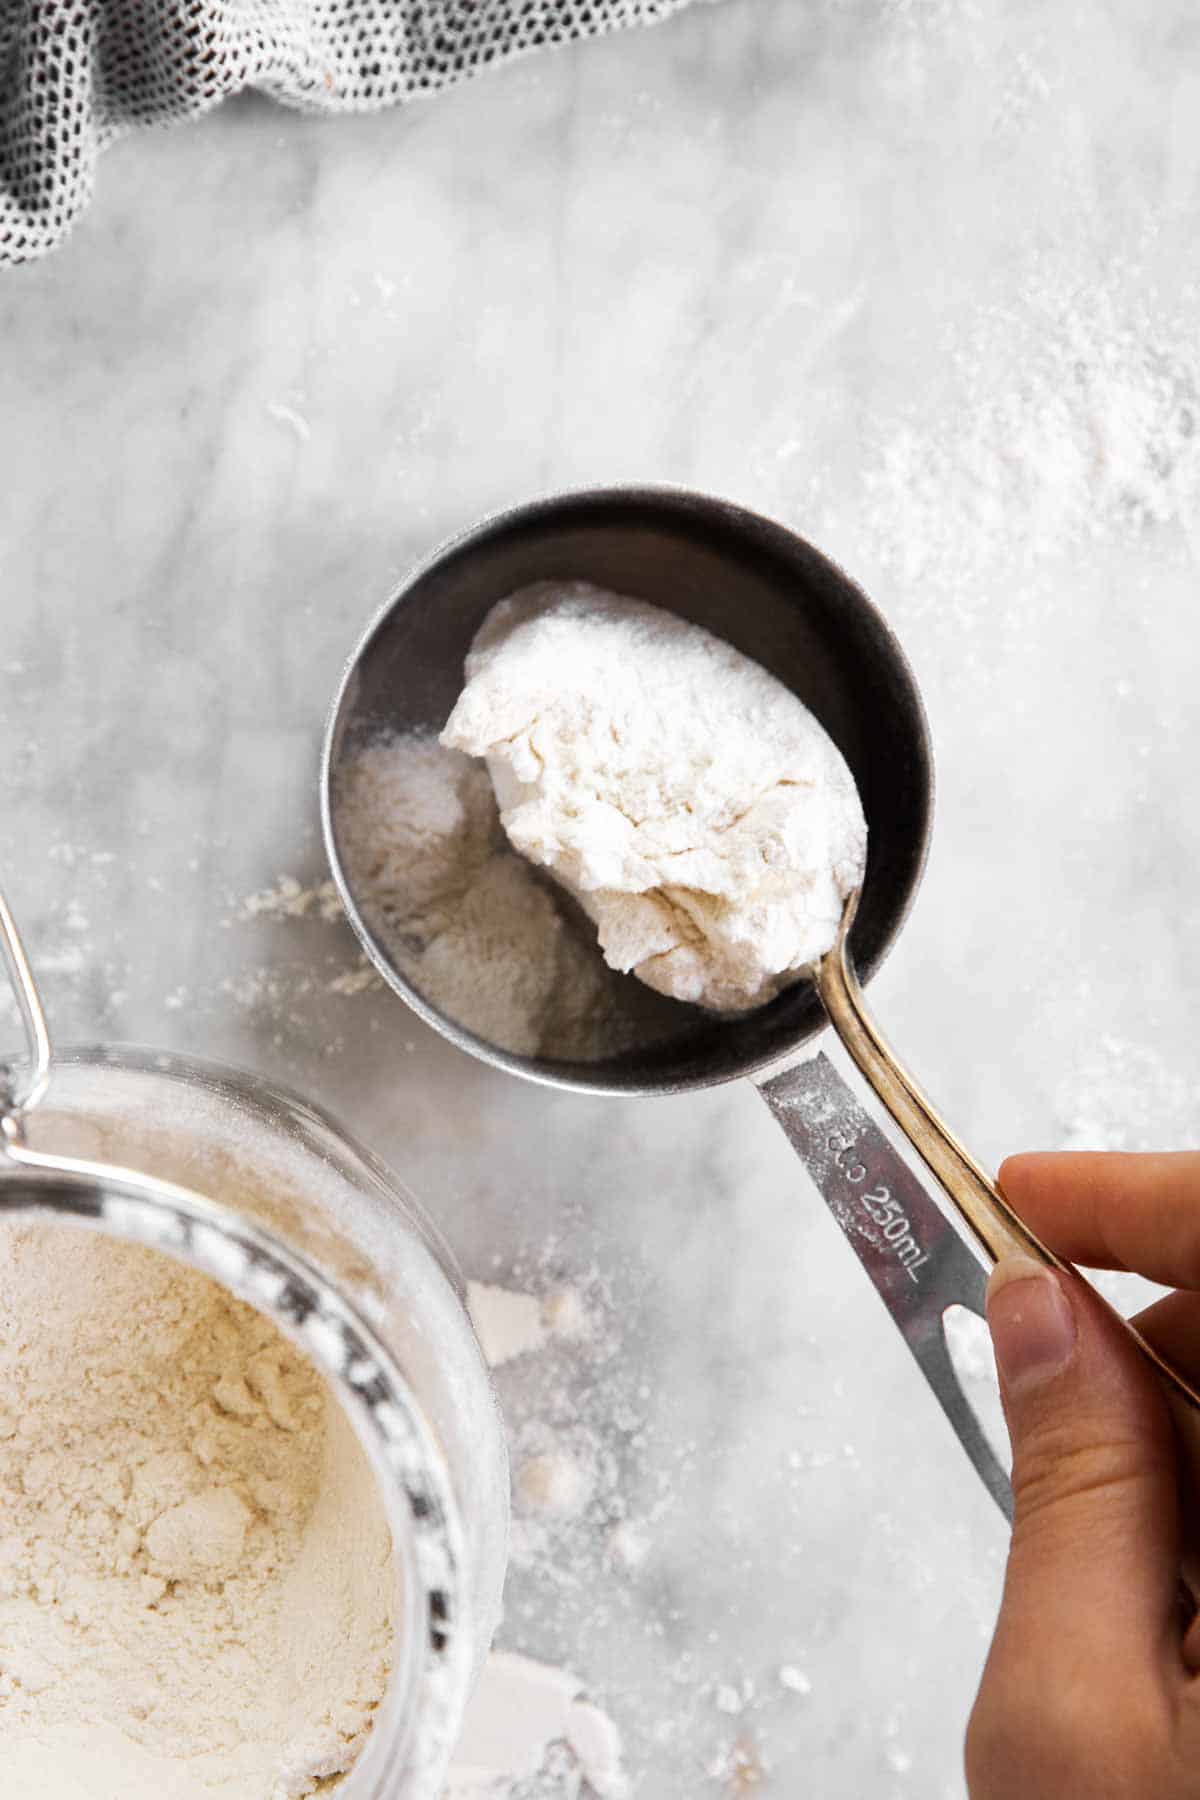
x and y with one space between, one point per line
691 803
463 918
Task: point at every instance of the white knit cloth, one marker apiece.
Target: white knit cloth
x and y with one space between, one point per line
75 74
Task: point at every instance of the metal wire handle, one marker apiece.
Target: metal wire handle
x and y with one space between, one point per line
21 1091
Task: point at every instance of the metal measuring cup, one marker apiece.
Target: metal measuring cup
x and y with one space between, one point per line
780 601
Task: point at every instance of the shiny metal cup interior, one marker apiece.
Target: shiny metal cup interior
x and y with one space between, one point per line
748 580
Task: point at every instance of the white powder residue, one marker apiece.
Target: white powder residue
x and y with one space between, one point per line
686 798
463 918
555 1481
575 1418
288 898
1075 419
628 1546
293 420
354 981
566 1314
274 992
506 1323
72 959
1126 1096
794 1680
195 1567
509 1323
598 1749
520 1710
970 1344
738 1767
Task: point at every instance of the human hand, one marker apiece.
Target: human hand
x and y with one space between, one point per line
1090 1688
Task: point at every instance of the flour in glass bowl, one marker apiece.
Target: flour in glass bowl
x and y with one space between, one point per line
195 1565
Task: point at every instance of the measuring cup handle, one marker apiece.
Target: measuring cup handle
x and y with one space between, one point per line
915 1259
972 1192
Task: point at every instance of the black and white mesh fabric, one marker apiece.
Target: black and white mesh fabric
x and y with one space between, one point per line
75 74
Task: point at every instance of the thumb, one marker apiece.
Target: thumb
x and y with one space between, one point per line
1093 1567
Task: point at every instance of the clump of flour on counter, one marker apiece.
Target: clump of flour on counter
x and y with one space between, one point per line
290 899
685 797
522 1709
464 919
195 1567
507 1323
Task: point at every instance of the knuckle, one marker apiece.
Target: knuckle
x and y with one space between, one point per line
1057 1469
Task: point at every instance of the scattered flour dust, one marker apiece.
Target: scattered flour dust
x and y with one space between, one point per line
464 919
559 1477
1126 1096
181 1501
577 1420
530 1723
1074 418
288 898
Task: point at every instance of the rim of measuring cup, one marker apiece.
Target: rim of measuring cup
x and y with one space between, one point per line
410 1744
581 1077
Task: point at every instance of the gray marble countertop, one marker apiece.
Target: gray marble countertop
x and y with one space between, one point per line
918 279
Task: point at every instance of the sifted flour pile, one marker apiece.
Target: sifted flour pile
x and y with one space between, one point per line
463 918
195 1567
685 797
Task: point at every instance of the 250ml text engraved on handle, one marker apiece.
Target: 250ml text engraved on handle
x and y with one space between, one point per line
881 1208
